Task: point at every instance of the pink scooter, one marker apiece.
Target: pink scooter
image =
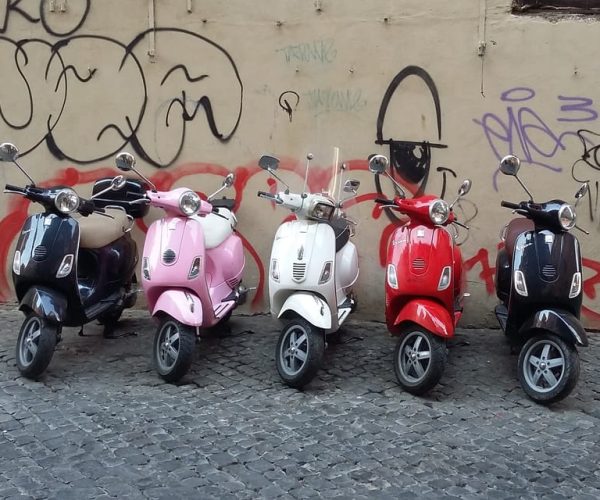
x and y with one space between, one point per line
191 269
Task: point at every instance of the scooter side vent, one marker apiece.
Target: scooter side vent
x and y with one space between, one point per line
418 264
169 256
549 271
40 252
233 282
298 271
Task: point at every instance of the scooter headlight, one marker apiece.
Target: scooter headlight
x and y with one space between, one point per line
66 201
322 211
189 203
567 217
439 211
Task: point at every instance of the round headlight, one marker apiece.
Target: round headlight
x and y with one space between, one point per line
567 216
189 203
439 211
66 201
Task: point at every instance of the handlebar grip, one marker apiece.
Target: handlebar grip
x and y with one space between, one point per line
383 201
508 204
14 188
264 194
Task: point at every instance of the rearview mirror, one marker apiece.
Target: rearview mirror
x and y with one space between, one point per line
583 190
268 162
8 152
125 161
378 164
464 188
228 181
510 165
351 186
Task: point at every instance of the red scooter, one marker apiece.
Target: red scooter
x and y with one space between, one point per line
424 283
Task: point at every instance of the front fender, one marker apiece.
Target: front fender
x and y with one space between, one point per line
559 322
182 305
311 307
46 303
429 314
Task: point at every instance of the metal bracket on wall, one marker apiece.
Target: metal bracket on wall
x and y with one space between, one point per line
152 34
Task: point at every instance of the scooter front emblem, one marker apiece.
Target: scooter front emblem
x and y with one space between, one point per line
301 252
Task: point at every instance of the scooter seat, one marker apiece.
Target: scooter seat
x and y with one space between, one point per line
513 229
97 231
223 203
216 227
341 229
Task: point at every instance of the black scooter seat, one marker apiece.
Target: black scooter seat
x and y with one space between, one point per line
341 229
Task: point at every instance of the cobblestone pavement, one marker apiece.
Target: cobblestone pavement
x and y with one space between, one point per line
101 424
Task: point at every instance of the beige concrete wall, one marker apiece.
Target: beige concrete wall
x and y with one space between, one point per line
291 77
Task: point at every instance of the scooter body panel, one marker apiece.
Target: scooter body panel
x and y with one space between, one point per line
180 304
421 255
428 314
346 271
548 261
309 306
171 247
46 303
301 250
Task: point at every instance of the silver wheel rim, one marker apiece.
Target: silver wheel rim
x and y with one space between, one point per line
30 341
544 365
293 352
414 357
169 344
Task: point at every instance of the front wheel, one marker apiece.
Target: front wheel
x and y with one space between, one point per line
35 345
299 353
419 360
548 368
174 345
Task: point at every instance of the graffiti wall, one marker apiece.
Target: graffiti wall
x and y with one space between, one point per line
199 89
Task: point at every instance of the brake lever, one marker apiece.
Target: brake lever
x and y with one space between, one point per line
461 224
582 230
103 214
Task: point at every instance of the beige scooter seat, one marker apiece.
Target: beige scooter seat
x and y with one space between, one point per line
217 228
97 231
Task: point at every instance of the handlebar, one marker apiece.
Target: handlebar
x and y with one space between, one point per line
508 204
269 196
17 189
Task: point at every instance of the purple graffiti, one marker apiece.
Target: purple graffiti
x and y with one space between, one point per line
524 132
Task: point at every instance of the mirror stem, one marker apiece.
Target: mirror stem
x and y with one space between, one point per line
396 184
277 177
525 188
26 174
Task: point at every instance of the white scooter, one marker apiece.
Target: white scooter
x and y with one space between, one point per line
312 270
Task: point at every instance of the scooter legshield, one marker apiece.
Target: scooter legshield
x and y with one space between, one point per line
429 314
311 307
181 305
561 323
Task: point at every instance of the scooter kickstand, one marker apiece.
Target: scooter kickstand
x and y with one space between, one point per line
81 334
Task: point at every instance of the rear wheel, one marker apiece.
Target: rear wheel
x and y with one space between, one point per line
35 345
299 353
548 368
174 345
419 360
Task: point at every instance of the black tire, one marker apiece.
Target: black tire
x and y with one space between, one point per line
299 339
416 371
35 345
548 368
174 345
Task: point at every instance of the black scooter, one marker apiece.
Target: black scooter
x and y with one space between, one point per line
73 263
539 280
